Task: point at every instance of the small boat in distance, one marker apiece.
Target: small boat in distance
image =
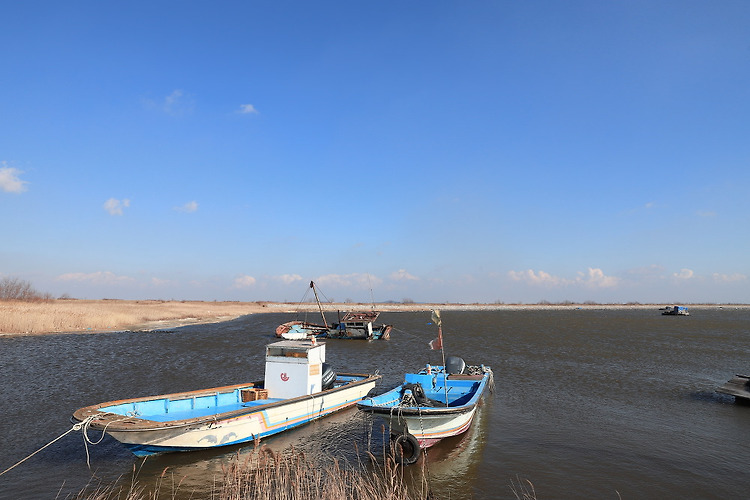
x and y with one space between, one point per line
739 387
675 311
432 404
298 387
354 325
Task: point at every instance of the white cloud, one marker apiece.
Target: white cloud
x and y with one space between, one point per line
247 109
358 280
729 278
9 180
594 278
288 279
115 207
188 207
539 278
684 274
402 275
244 281
178 103
99 278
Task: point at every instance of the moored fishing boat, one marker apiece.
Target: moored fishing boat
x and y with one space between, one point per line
353 325
432 404
675 311
418 412
298 387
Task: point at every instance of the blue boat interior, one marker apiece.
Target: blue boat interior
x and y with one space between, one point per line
459 391
168 409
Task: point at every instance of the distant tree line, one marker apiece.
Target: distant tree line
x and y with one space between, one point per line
18 289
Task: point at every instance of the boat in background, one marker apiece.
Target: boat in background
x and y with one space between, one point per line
353 325
675 311
298 387
432 404
739 387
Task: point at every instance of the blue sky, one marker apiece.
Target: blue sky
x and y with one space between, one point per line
432 151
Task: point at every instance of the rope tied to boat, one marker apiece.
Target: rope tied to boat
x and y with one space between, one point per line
76 427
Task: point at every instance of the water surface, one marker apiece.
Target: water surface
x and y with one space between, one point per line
588 403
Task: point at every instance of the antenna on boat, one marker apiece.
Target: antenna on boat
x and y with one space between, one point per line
312 285
372 295
438 343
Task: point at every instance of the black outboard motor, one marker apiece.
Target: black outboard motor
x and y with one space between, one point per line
454 365
329 376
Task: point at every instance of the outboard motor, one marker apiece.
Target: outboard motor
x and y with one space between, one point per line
454 365
329 376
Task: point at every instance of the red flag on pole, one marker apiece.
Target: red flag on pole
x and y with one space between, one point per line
438 342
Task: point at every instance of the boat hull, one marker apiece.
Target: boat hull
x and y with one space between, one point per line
244 422
431 424
431 429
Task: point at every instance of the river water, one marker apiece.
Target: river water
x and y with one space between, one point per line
587 403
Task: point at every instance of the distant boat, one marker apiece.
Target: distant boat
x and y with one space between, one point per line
432 404
675 311
298 387
739 387
353 325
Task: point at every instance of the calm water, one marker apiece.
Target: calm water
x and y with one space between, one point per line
588 404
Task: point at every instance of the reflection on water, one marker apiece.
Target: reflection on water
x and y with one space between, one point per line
588 404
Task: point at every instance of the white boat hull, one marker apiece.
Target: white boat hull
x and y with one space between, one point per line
145 437
430 429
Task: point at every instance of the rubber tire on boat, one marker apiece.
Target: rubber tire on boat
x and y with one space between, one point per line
405 449
329 377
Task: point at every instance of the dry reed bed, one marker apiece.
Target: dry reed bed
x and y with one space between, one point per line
269 475
98 315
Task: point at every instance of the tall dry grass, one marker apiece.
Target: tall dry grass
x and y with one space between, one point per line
269 475
96 315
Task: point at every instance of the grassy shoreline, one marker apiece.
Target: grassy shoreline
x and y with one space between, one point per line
90 316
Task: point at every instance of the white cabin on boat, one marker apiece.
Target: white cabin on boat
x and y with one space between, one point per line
294 368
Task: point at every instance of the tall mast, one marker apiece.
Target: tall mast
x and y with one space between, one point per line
312 285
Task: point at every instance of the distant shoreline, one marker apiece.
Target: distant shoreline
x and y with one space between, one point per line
91 316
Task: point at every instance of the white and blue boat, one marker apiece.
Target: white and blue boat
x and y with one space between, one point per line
298 387
435 403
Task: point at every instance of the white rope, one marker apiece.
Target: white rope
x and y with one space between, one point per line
87 440
76 427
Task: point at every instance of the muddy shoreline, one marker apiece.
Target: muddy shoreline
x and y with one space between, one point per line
92 316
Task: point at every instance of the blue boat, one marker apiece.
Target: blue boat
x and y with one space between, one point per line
430 405
675 311
298 387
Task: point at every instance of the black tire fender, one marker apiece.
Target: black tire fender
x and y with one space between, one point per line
405 448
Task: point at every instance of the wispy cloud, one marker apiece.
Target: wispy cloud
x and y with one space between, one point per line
684 274
402 275
536 278
115 206
10 182
729 278
244 281
288 279
98 278
188 207
357 280
247 109
592 278
178 103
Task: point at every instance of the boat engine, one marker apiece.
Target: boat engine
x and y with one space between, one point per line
454 365
329 376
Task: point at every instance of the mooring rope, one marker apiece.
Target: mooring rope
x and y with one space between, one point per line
76 427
